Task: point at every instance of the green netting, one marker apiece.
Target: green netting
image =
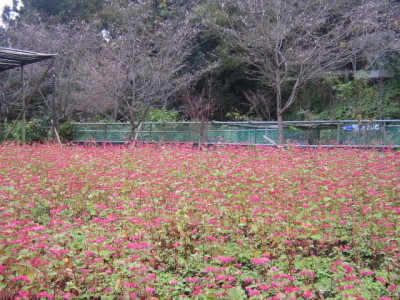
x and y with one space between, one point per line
194 133
304 133
111 132
392 134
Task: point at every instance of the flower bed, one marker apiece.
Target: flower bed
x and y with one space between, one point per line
169 222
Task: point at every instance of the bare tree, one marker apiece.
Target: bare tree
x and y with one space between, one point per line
144 62
199 107
9 94
71 43
289 43
261 101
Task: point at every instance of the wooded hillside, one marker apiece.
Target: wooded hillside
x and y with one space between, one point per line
126 60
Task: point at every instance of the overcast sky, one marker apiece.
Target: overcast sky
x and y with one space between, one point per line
4 2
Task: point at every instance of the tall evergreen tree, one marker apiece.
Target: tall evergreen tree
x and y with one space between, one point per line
60 10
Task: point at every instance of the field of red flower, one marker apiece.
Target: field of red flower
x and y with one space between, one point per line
154 222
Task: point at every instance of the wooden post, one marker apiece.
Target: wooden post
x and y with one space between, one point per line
271 141
138 131
57 137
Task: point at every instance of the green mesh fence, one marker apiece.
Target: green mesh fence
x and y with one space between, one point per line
349 132
102 132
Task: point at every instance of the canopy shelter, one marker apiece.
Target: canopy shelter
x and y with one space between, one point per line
14 58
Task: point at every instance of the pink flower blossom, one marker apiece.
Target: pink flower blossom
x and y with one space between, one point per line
336 263
150 290
252 292
308 294
290 289
210 269
382 280
264 287
260 261
133 295
20 278
44 295
366 272
225 259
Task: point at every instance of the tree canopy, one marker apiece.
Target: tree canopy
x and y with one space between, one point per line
62 10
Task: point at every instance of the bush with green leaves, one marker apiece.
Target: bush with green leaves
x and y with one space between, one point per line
67 131
37 130
162 115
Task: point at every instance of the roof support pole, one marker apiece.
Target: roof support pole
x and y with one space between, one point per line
54 121
23 134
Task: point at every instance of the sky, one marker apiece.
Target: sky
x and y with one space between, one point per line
2 4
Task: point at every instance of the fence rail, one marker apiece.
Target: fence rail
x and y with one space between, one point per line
328 133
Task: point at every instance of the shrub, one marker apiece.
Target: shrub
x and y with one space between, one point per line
67 131
37 130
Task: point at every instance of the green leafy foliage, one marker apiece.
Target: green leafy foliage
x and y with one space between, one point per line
162 115
67 131
360 98
238 116
63 10
37 130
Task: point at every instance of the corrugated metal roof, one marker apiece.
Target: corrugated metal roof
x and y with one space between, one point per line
13 58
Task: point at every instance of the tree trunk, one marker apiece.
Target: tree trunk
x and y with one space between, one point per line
132 127
132 133
280 126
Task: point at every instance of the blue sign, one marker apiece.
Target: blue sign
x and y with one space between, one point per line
362 127
348 127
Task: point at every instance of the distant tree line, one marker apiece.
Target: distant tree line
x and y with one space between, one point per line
206 59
